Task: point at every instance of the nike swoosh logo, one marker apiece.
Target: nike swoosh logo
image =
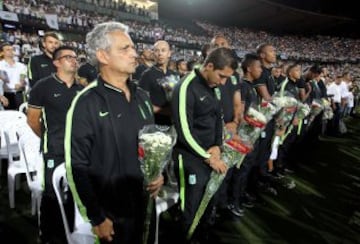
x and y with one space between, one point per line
57 95
103 114
202 98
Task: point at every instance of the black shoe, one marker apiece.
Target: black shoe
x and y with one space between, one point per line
288 171
250 197
289 184
248 204
236 210
267 188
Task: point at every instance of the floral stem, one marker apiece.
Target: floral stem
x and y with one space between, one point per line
148 214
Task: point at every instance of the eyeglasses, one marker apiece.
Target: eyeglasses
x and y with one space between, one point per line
68 57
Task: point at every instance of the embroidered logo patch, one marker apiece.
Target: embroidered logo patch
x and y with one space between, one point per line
192 179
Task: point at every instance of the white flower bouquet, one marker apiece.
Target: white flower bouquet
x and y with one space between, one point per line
269 109
303 110
316 109
235 148
168 83
286 101
249 131
328 111
233 152
288 109
154 151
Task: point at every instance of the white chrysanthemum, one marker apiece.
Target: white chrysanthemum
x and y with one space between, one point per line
256 115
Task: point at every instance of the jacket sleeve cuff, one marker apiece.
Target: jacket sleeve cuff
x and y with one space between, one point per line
98 219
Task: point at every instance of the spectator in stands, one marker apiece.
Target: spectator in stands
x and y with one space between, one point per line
3 76
16 81
101 147
42 65
49 102
334 92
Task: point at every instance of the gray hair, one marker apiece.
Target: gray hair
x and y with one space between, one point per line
98 38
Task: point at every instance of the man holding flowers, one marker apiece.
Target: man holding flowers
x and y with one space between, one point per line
198 122
101 140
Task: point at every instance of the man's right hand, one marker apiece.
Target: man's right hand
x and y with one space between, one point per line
217 164
105 230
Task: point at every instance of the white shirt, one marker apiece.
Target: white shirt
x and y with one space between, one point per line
350 100
334 90
344 89
14 72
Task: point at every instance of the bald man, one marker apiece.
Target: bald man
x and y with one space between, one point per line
150 79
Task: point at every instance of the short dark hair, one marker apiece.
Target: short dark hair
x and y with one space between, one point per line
58 51
290 67
179 61
221 57
260 48
51 34
248 60
315 69
204 49
190 64
4 44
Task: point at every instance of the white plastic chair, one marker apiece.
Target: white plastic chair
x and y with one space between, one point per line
9 117
23 107
16 166
29 145
163 204
82 233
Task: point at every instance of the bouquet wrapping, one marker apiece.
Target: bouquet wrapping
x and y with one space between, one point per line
235 148
269 109
288 107
328 111
315 109
154 151
168 83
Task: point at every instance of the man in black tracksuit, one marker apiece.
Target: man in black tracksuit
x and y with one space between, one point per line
293 87
101 142
150 81
265 88
252 70
231 105
198 122
41 66
49 102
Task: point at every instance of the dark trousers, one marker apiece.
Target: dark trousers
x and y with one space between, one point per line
51 223
285 150
195 175
240 176
336 120
130 230
264 147
15 100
